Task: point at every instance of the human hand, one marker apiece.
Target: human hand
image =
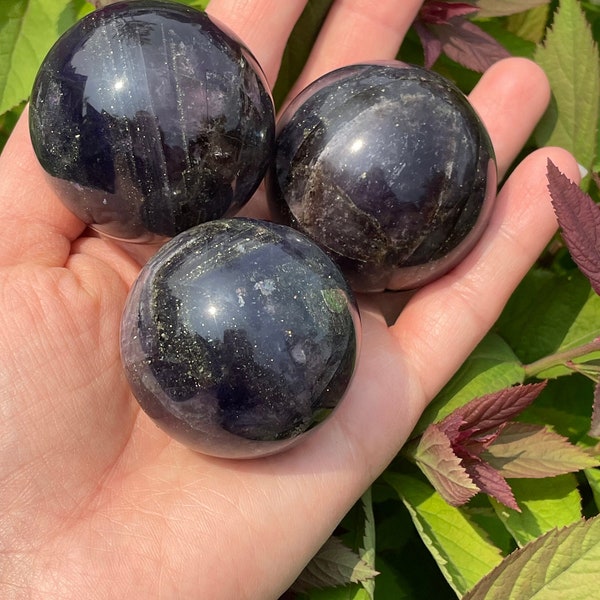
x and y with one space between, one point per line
99 503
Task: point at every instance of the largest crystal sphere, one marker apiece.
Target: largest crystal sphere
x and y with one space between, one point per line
151 118
239 336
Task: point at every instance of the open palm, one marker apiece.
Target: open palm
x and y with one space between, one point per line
95 501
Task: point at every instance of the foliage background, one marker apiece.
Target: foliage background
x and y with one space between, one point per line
409 527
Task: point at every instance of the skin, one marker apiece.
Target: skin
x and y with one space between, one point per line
99 503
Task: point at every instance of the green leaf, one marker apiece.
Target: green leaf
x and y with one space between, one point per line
334 565
560 564
531 24
545 504
492 366
550 313
462 550
593 478
28 28
367 552
199 4
569 57
349 592
482 513
533 451
403 561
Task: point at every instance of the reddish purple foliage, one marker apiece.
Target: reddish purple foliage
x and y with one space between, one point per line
444 27
493 410
490 482
438 11
472 428
579 219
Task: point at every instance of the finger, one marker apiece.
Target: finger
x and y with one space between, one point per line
511 97
356 31
458 309
263 25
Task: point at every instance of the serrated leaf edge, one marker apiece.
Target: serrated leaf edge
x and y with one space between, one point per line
534 546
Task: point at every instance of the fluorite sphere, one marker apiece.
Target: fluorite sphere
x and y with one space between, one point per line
239 336
151 119
388 167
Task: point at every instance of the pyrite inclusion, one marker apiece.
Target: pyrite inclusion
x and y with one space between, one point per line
150 119
239 336
388 168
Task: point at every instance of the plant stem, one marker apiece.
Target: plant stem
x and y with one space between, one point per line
560 358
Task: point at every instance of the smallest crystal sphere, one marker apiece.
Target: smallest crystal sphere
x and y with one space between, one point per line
150 117
239 336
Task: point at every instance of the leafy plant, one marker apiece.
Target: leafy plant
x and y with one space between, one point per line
498 493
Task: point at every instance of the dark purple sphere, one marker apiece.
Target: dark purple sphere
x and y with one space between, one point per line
150 119
240 336
388 168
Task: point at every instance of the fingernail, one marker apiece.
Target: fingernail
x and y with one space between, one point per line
582 170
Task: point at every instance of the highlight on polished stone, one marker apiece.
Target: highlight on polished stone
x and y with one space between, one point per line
150 117
239 337
387 167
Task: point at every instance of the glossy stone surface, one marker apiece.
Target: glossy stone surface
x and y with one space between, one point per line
151 119
389 169
239 336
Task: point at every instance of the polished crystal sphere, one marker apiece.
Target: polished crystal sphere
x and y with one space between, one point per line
388 168
151 118
239 337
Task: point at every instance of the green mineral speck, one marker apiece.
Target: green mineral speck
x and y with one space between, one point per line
335 299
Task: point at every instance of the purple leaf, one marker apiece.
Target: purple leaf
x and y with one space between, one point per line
443 27
468 45
450 452
432 46
579 220
452 424
491 482
439 11
595 426
491 410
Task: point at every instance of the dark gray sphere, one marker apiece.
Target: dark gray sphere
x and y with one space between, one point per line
388 168
239 336
150 119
